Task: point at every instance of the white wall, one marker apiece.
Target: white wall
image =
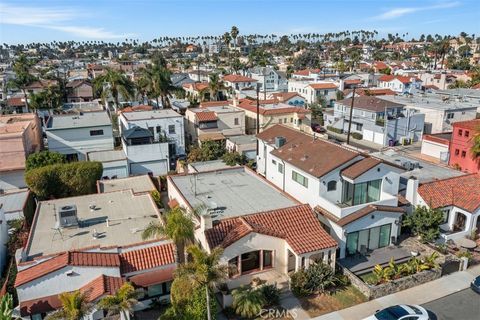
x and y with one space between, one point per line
434 149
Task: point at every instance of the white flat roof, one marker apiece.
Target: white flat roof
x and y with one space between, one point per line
87 119
138 184
128 214
154 114
433 102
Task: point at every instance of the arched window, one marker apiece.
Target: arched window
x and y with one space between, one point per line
332 185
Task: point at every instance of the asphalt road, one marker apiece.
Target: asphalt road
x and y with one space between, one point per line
463 305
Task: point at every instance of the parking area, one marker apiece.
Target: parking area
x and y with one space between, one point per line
464 305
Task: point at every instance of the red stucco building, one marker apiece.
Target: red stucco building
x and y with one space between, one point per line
462 139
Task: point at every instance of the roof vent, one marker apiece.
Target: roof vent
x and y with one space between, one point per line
67 216
280 142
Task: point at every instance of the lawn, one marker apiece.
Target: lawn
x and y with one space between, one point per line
317 305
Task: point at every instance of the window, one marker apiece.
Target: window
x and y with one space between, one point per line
359 126
467 133
460 132
159 129
354 194
96 132
457 152
250 261
446 213
332 185
291 120
236 121
300 179
280 167
371 239
267 259
464 154
274 161
280 121
171 129
450 115
233 267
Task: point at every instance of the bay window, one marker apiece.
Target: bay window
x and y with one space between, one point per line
359 193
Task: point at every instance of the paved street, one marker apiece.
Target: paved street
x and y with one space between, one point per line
464 305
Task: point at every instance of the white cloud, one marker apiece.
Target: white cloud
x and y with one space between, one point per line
54 19
400 12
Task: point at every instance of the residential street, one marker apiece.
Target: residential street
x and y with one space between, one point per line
461 305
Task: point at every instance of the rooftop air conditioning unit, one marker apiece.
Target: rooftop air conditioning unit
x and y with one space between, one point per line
280 142
67 216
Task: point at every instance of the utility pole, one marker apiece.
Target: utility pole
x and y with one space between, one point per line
351 116
258 112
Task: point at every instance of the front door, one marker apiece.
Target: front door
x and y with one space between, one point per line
292 261
460 220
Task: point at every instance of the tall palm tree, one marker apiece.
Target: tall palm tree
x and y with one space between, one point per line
215 85
74 307
248 302
177 226
113 83
23 78
234 33
122 302
204 270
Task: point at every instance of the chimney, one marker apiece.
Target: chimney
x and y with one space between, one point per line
235 100
411 193
342 85
205 222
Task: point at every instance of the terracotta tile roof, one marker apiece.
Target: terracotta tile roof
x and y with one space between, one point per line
297 225
67 259
323 86
371 92
306 72
462 192
380 65
206 116
137 108
437 139
358 214
402 79
237 78
94 289
197 86
470 124
360 167
353 81
250 105
147 258
314 156
207 104
369 103
15 102
285 96
153 277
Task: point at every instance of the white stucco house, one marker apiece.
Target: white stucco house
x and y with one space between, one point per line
313 91
76 135
458 198
399 84
354 195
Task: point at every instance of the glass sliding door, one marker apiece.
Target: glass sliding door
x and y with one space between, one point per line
363 236
352 241
373 193
347 193
360 193
384 235
374 238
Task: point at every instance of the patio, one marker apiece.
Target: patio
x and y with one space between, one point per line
359 263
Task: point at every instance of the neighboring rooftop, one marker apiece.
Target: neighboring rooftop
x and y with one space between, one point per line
470 124
14 202
243 139
212 165
138 184
154 114
370 103
15 123
430 101
231 192
462 192
127 215
82 120
107 155
237 78
425 171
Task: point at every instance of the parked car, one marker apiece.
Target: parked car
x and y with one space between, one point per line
401 312
318 128
475 285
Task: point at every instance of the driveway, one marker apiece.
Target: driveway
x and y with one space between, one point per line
461 305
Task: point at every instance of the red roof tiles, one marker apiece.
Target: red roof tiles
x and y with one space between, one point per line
402 79
297 225
206 116
153 277
462 192
237 78
147 258
360 167
358 214
323 86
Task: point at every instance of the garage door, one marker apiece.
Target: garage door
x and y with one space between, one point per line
157 168
120 172
378 138
368 135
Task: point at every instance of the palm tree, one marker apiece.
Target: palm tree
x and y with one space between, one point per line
177 226
215 85
204 270
114 83
234 33
6 307
122 302
248 302
23 78
74 307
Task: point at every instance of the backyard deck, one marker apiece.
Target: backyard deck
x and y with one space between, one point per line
359 264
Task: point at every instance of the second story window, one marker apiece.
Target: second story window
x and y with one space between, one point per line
171 129
467 133
464 154
297 177
460 132
236 121
450 115
96 133
332 185
280 167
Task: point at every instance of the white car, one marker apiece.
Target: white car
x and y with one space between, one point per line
401 312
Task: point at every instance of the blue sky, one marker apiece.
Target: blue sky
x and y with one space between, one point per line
115 20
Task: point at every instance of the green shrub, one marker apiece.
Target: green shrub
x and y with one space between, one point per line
298 283
356 135
233 158
271 294
157 198
64 180
466 254
425 223
336 130
317 278
44 158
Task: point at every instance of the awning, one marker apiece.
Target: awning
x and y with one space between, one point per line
214 136
153 277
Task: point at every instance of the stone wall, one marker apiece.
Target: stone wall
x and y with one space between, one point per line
374 292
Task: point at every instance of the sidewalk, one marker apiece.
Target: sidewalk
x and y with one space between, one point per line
421 294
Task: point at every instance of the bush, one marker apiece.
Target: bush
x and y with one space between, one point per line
356 135
336 130
209 150
271 294
298 283
466 254
44 158
317 278
64 180
233 158
425 223
157 198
